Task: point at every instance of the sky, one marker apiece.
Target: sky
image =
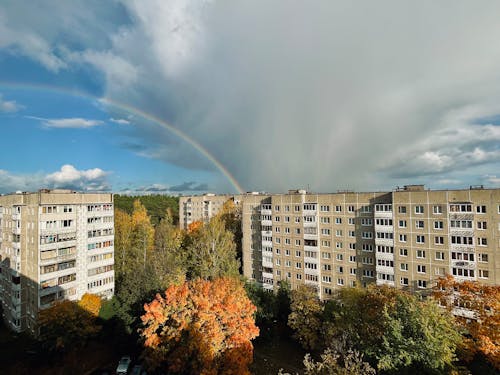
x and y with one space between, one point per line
191 96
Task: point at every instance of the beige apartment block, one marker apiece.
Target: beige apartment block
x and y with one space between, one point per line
406 238
54 244
201 207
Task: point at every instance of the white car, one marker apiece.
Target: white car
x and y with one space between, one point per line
123 365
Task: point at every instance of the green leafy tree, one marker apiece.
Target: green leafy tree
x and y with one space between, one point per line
211 251
306 316
169 258
395 330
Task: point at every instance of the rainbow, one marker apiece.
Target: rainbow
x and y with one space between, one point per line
132 110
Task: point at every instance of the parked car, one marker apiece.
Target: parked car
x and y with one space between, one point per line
123 365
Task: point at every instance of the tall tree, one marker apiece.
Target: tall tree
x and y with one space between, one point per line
169 258
477 310
305 317
123 241
142 232
91 303
212 251
200 326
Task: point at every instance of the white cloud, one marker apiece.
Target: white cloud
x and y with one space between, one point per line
68 177
493 180
9 106
73 123
120 121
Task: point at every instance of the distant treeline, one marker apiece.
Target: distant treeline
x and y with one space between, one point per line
156 205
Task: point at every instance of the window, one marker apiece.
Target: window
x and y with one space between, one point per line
328 291
403 266
277 218
324 208
297 253
482 225
462 272
325 243
350 208
420 239
402 223
481 241
277 208
402 209
338 208
287 219
326 279
483 258
325 220
288 263
367 235
403 252
287 208
298 265
419 224
352 258
484 274
297 230
438 225
437 210
422 284
439 255
350 220
287 252
420 268
287 230
297 208
287 241
340 257
327 267
338 245
297 219
404 281
421 254
67 223
440 271
278 262
366 221
326 231
419 209
481 209
297 242
438 240
403 237
338 220
298 276
352 246
352 233
340 281
326 255
367 247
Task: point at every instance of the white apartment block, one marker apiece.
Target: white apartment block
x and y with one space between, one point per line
406 238
202 207
54 244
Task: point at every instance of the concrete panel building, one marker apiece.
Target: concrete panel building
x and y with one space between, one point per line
405 238
54 244
201 207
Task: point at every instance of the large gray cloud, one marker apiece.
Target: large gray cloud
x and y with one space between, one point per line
331 95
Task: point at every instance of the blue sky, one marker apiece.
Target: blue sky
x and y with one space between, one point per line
336 96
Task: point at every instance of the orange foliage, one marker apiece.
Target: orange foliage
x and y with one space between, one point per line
201 327
484 302
194 226
91 303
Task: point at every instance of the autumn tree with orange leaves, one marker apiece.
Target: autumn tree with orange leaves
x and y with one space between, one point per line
91 303
200 327
477 311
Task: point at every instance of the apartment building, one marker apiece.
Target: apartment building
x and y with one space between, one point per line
406 238
201 207
54 244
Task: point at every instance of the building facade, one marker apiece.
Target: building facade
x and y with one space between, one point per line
406 238
54 244
202 207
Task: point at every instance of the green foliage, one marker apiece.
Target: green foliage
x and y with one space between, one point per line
156 205
306 316
211 251
394 329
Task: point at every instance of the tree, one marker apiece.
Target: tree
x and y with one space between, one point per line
169 258
123 241
394 329
142 232
200 326
306 316
91 303
231 215
477 310
332 363
66 325
212 251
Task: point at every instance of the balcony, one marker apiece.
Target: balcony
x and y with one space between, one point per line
266 222
461 216
267 263
267 233
462 232
463 264
309 224
385 256
462 248
266 212
310 212
384 241
384 269
16 216
385 282
267 243
16 230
